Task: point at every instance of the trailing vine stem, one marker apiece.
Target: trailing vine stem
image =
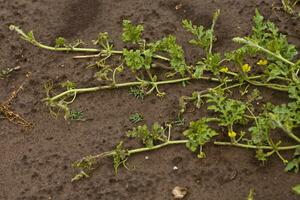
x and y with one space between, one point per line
143 149
114 153
248 146
177 142
72 49
128 84
157 83
116 85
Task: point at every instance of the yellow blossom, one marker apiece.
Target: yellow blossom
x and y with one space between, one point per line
262 62
224 69
246 68
231 134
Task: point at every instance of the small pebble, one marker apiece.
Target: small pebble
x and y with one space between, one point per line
179 192
175 168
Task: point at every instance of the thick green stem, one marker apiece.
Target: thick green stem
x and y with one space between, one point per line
286 130
292 135
269 85
257 83
144 149
174 142
215 17
248 146
120 85
93 89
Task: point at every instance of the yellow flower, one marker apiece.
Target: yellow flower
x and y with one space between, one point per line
246 68
231 134
262 62
224 69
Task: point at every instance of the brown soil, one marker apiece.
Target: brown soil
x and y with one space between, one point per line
36 164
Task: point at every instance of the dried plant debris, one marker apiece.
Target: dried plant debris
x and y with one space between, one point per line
7 113
4 73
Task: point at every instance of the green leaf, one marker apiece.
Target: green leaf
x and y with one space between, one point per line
293 166
30 36
296 189
260 131
294 91
175 51
131 33
238 55
148 136
251 195
60 42
68 84
203 36
198 134
275 69
210 63
103 41
148 54
4 73
137 92
86 163
261 155
103 37
135 118
255 95
120 157
137 59
134 59
230 110
266 35
286 116
199 69
76 115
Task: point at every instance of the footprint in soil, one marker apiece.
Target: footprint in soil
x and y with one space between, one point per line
78 15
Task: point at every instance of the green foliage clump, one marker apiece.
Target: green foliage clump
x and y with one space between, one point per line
148 136
120 156
135 118
137 92
203 36
76 115
175 51
136 59
131 33
294 164
69 85
260 131
198 134
230 111
211 63
286 116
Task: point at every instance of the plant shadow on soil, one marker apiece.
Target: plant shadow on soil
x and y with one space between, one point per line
36 164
